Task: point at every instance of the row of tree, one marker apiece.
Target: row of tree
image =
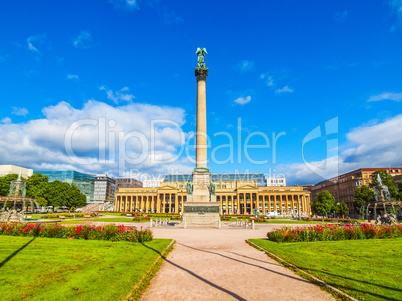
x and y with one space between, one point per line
325 204
55 193
325 201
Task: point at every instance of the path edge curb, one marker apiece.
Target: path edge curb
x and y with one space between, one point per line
139 288
336 292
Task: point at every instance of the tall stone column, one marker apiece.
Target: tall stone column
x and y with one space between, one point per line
201 207
201 138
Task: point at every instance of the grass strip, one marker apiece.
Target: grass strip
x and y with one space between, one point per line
140 287
61 269
363 269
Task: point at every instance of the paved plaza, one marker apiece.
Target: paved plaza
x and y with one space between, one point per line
217 264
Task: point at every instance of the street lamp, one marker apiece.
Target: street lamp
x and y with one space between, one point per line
337 205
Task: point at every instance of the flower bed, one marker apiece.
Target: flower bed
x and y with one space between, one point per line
89 232
56 215
334 232
340 220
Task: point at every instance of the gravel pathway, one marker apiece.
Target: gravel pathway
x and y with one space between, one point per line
216 264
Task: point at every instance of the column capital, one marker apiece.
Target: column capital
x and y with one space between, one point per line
201 73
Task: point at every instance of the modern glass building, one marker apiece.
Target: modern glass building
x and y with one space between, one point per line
85 182
223 177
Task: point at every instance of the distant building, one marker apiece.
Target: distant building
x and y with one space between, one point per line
236 194
85 182
343 187
152 183
104 189
307 187
276 182
398 178
257 178
127 183
13 169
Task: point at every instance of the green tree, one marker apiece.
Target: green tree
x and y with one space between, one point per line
57 193
37 187
75 198
41 201
363 195
342 208
324 203
388 180
5 183
64 194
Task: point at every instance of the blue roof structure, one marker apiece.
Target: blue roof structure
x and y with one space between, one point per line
259 177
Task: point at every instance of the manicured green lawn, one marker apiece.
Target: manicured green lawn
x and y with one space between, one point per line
105 220
111 213
62 269
112 219
275 221
364 269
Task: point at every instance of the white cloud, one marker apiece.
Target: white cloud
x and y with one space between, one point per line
386 96
269 81
72 76
243 100
376 145
117 96
19 111
396 7
125 4
100 128
245 65
38 40
285 89
6 120
83 40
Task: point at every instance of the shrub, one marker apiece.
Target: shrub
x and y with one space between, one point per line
88 232
332 232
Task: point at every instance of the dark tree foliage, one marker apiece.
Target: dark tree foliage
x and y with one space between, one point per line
64 194
5 183
37 186
342 208
324 203
363 195
56 193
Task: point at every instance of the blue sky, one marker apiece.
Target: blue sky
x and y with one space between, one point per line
283 68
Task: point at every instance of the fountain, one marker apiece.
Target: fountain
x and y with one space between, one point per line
17 202
383 207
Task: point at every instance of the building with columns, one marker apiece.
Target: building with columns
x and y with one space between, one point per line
236 194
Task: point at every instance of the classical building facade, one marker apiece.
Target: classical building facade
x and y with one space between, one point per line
236 193
343 187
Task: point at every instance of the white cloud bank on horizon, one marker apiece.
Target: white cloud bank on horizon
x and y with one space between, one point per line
377 145
97 134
